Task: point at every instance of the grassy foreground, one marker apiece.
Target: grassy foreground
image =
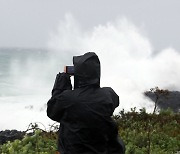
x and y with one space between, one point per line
141 132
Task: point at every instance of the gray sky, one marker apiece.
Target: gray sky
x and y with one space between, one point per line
28 23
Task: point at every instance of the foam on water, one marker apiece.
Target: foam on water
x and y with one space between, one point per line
25 85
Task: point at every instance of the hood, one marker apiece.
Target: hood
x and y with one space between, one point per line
86 70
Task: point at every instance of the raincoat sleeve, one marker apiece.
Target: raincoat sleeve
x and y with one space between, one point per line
55 106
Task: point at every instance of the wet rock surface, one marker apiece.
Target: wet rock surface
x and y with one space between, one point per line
10 135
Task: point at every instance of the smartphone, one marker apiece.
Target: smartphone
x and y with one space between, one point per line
69 70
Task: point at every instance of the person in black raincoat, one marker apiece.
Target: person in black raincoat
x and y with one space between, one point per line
86 126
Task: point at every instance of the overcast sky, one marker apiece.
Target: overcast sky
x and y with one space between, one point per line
28 23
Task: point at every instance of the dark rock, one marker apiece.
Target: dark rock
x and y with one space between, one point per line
10 135
171 100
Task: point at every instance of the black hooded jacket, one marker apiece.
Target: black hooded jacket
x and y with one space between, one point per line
86 126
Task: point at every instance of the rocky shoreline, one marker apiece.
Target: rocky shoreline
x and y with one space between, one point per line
10 135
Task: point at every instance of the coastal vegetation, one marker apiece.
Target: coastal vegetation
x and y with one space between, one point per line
142 133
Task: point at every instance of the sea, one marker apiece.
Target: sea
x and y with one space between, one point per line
26 80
